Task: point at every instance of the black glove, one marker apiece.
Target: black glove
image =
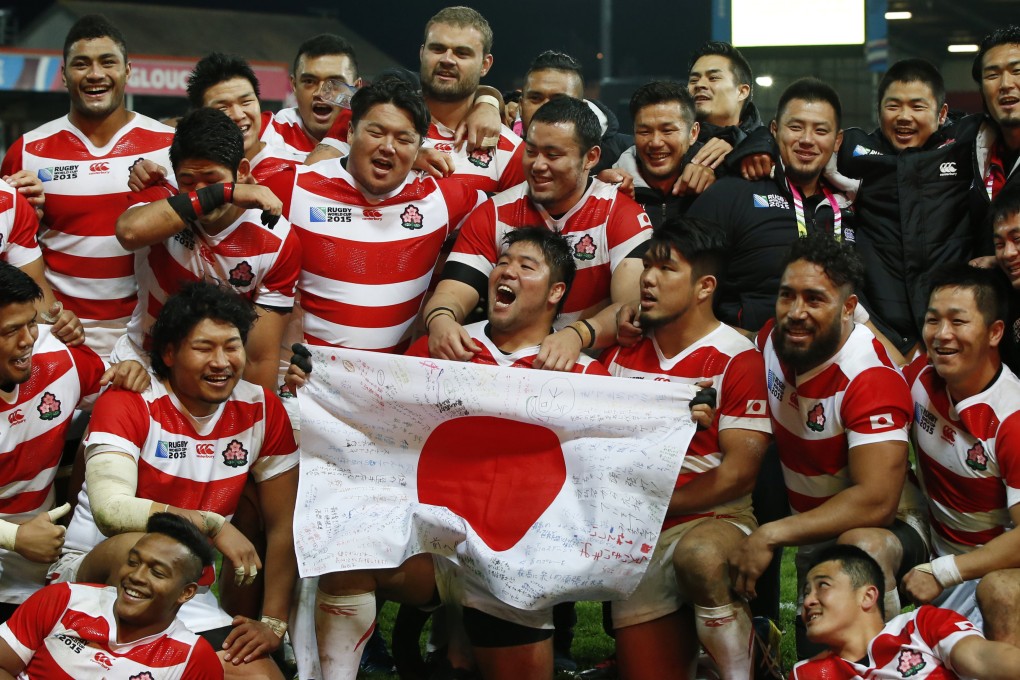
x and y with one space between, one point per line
706 395
302 358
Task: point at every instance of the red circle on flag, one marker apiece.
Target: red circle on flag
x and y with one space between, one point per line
498 474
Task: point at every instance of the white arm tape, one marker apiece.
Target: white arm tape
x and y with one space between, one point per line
487 99
112 480
8 533
946 572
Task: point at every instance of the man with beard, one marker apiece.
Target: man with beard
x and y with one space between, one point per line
1005 220
840 412
709 514
83 160
129 628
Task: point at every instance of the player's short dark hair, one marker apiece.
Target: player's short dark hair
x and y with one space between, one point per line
323 45
861 567
810 90
194 303
463 17
214 69
188 535
1005 204
564 109
738 64
551 60
396 91
556 251
701 242
914 71
661 92
838 259
17 287
92 27
1007 35
987 285
210 135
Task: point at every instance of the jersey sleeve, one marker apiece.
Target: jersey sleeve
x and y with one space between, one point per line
627 230
590 367
277 287
13 161
30 623
281 183
941 629
461 199
1007 441
20 248
203 664
913 370
120 420
876 408
90 369
513 169
279 452
744 395
475 251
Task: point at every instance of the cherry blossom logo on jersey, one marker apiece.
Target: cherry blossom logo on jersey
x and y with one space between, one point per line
235 455
976 458
949 434
584 249
144 675
481 158
816 418
911 663
241 275
49 406
411 218
286 392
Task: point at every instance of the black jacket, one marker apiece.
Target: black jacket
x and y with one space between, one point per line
760 224
750 120
659 206
987 136
912 216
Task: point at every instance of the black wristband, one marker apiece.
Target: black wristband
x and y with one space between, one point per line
590 330
210 197
181 204
432 312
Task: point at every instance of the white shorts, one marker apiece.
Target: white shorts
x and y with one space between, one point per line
457 586
962 599
658 593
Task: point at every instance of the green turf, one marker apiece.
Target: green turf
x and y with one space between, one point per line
592 645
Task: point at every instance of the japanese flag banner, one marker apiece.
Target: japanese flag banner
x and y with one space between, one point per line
548 486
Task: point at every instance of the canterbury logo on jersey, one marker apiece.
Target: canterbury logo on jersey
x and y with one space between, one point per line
329 214
58 172
947 169
770 201
99 168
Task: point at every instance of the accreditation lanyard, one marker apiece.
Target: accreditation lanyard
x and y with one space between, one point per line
798 209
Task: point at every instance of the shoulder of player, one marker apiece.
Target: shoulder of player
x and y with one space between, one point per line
141 121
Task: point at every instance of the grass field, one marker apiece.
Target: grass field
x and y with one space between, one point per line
592 645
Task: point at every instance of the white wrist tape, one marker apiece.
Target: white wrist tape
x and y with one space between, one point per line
8 534
945 571
487 99
213 522
112 480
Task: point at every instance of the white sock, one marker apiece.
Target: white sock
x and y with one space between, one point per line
302 628
727 636
343 624
892 603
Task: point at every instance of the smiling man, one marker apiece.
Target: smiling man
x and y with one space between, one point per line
967 404
840 412
843 611
608 227
763 217
187 445
83 161
996 69
127 629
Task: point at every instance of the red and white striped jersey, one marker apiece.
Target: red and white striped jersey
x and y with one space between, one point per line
68 631
968 457
86 191
604 227
737 372
187 463
856 397
366 265
494 356
260 264
489 170
33 420
273 159
915 645
18 225
285 130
